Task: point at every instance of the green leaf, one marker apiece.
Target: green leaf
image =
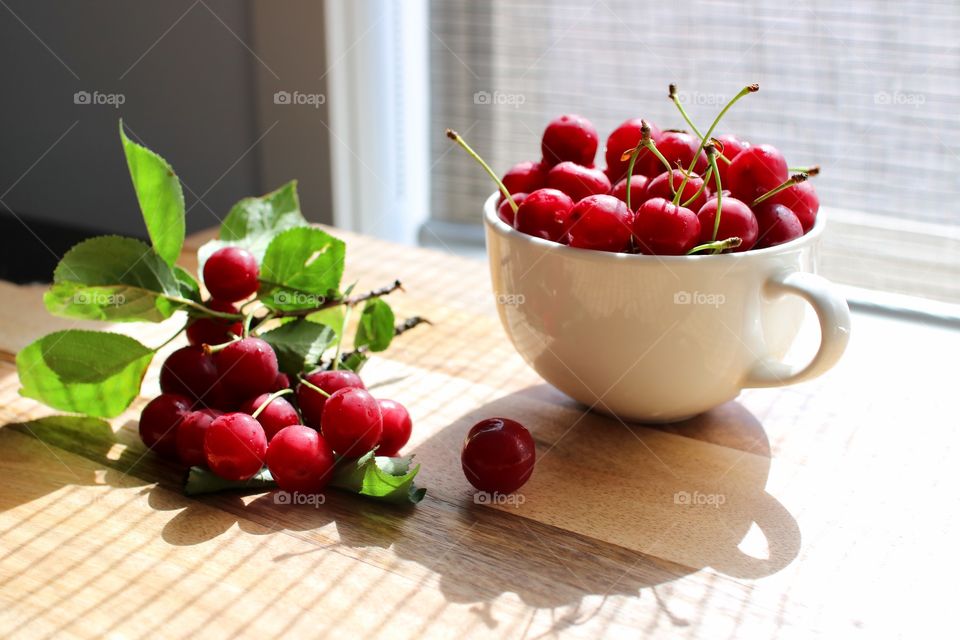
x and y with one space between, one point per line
189 288
301 269
113 278
253 222
160 197
380 478
91 372
299 344
332 318
375 329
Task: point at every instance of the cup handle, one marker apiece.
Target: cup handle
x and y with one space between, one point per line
834 316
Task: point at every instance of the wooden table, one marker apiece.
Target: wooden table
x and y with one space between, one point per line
831 506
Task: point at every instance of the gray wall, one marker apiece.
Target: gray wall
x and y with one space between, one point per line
191 75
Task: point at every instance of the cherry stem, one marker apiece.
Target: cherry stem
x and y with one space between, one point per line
647 142
400 329
349 302
711 152
706 179
786 184
810 171
683 112
310 385
171 338
718 246
343 330
456 137
204 310
214 348
273 396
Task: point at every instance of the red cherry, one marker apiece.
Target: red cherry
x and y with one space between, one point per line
679 147
777 224
397 427
544 214
498 455
665 229
736 221
300 460
282 382
525 177
802 199
191 372
235 446
625 138
191 435
755 171
214 331
569 137
659 187
311 402
505 212
638 185
577 181
231 274
247 367
602 223
160 420
732 146
351 422
277 415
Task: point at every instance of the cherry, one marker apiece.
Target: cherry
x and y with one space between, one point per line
505 212
679 147
275 416
397 427
525 177
235 446
755 171
637 186
544 214
247 367
736 221
191 372
601 222
300 460
191 435
282 382
625 138
577 181
498 455
351 422
160 420
214 331
732 146
311 402
665 229
231 273
659 187
802 199
777 224
569 137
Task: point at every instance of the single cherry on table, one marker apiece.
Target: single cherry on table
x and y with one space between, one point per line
498 455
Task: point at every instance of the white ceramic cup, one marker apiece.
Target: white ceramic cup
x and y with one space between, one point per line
661 338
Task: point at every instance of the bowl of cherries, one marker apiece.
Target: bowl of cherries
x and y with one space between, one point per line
660 285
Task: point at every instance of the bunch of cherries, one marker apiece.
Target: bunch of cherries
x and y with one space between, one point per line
222 403
663 192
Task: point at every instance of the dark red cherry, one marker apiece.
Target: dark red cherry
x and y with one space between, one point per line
755 171
505 212
247 367
777 224
231 274
802 199
191 372
638 185
311 402
659 187
160 421
736 221
544 214
602 223
525 177
235 446
277 415
625 138
498 455
569 137
191 434
214 331
665 229
679 147
577 181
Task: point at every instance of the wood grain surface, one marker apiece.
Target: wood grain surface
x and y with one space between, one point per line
828 507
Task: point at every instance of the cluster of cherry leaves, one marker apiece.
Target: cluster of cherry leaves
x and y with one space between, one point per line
120 279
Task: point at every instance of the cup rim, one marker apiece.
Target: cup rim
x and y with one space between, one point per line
493 221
